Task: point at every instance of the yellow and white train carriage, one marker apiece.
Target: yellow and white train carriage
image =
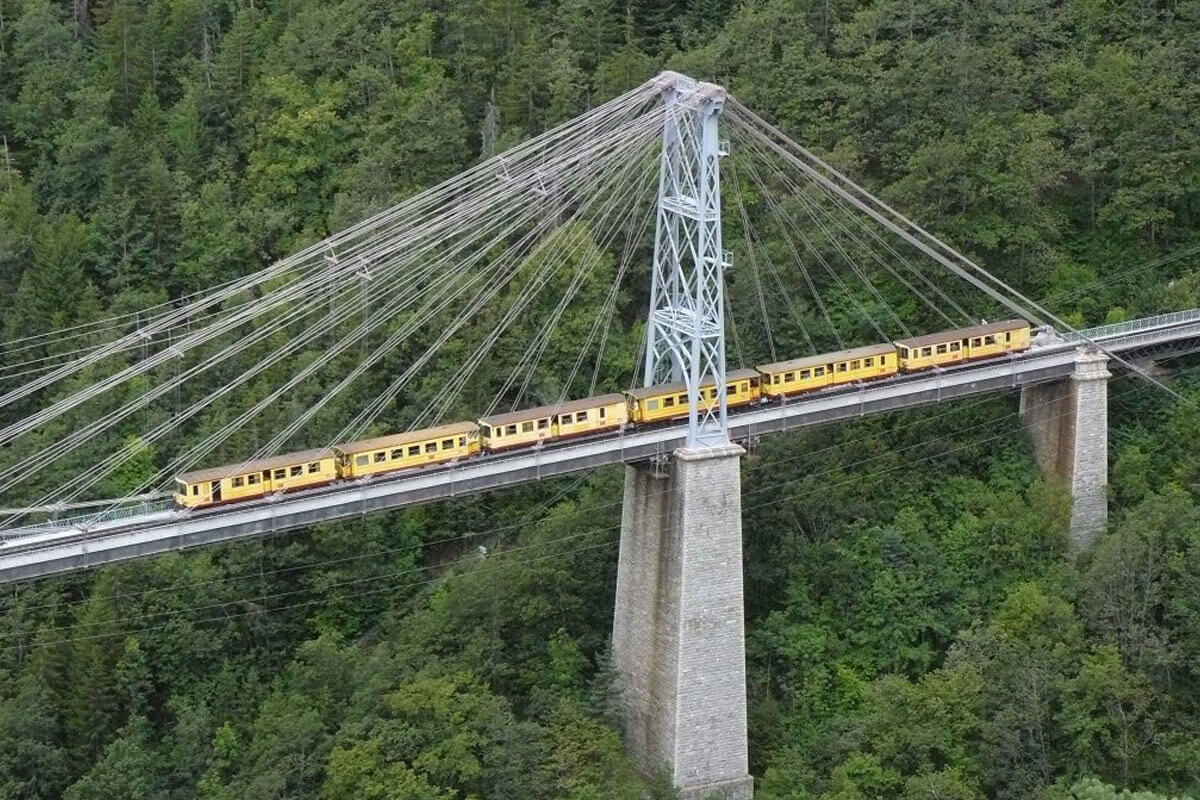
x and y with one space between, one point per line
963 344
532 425
251 479
828 369
668 401
406 450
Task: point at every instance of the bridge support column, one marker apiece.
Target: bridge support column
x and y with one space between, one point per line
1068 422
678 628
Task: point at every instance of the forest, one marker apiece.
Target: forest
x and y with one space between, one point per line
917 626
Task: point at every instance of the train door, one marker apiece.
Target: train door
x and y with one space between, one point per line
215 487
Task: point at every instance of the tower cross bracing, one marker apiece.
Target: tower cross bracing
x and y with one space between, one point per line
685 338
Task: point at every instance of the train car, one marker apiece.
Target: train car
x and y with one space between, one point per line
407 450
669 401
963 344
816 372
251 479
533 425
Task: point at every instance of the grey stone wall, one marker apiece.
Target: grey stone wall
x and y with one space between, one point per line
1068 424
678 627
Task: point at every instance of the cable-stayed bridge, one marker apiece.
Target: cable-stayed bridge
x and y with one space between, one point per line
50 548
339 342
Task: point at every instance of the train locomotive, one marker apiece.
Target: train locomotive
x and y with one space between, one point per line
591 416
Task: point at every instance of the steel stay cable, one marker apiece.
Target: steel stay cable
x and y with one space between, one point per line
753 241
746 228
381 315
941 257
799 261
812 206
785 222
534 353
356 426
359 370
322 301
314 250
456 382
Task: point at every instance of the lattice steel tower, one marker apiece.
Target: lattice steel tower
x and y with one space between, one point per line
685 339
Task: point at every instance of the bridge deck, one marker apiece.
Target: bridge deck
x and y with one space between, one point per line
32 553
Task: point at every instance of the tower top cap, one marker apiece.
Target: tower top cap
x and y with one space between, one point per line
689 87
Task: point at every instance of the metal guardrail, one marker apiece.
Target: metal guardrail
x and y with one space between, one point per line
83 521
1145 324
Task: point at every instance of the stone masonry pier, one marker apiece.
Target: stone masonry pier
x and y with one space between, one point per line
678 628
1068 423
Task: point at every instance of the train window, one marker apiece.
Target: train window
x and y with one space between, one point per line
526 427
818 372
868 362
510 430
954 347
854 365
841 367
745 386
941 348
668 402
581 416
397 454
280 474
361 461
790 376
252 479
381 457
903 352
652 405
486 430
462 441
314 466
603 412
1007 336
775 379
414 450
447 444
975 342
989 340
238 482
296 471
195 490
805 374
431 447
543 424
683 399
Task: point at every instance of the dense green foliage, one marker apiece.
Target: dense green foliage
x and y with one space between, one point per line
916 628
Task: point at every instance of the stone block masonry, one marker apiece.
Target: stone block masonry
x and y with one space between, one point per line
1068 423
678 627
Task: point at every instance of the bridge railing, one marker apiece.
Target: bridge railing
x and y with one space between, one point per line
1122 329
88 520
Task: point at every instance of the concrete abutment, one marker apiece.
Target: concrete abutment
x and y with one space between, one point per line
679 627
1068 423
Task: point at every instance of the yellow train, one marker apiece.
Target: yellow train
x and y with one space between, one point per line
591 416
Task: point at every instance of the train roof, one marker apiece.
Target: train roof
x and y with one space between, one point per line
964 333
541 412
828 358
246 467
395 439
680 386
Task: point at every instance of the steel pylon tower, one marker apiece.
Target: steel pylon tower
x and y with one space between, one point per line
685 338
